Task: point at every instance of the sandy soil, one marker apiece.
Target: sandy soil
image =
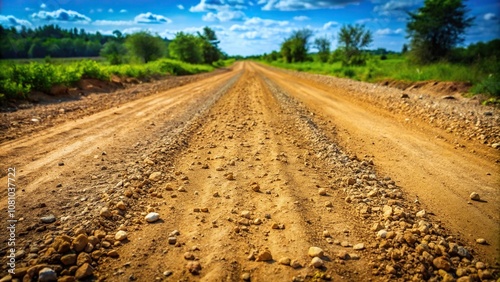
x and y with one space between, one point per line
248 169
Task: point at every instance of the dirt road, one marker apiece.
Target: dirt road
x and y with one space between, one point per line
247 170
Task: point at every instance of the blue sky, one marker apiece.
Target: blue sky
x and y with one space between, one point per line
244 27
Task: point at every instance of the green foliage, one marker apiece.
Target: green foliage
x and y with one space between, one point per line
209 46
145 46
294 48
187 48
352 39
490 85
436 28
114 52
323 46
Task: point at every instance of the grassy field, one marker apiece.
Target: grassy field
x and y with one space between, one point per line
19 77
484 77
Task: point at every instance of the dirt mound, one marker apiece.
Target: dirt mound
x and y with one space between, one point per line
436 88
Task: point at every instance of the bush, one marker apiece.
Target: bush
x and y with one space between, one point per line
490 85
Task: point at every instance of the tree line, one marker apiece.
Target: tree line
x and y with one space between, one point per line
53 41
434 32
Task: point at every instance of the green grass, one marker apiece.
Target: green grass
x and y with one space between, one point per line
18 79
484 77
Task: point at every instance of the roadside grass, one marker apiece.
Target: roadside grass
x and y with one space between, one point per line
484 76
18 78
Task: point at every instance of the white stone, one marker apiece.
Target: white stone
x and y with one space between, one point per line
152 217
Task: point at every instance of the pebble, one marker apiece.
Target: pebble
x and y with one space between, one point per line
155 176
475 196
152 217
285 261
295 264
442 263
193 267
317 262
382 233
121 235
84 271
172 240
315 252
481 241
48 219
80 242
359 247
168 273
264 256
121 206
421 213
245 276
322 192
47 275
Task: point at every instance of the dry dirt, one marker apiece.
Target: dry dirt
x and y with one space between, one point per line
247 169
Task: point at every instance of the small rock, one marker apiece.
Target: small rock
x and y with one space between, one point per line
68 259
495 145
245 276
113 254
421 213
377 226
322 192
405 96
121 235
193 267
80 242
105 213
317 262
343 255
315 252
359 247
84 271
295 264
172 240
48 219
155 176
255 187
121 206
475 196
285 261
168 273
47 275
264 256
442 263
481 241
152 217
246 214
382 233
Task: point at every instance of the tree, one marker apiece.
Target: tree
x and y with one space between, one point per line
114 52
323 46
145 46
404 50
352 39
436 28
294 48
209 46
187 48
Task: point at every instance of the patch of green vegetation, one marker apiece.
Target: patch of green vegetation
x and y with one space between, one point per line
17 80
485 77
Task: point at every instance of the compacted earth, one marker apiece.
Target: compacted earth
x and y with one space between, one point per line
251 174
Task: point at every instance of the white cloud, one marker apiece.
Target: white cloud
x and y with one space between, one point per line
396 7
61 15
301 18
295 5
11 21
218 5
388 31
27 9
329 24
111 11
43 6
180 7
224 16
123 11
265 22
112 23
490 16
150 18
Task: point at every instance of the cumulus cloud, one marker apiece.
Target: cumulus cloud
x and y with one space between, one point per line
180 7
396 7
111 11
265 22
61 15
388 31
27 9
301 18
43 6
112 23
490 16
330 24
11 21
224 16
294 5
150 18
123 11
